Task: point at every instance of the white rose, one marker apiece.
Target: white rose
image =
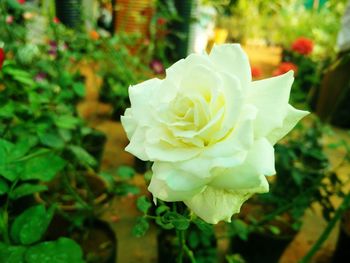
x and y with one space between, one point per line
210 130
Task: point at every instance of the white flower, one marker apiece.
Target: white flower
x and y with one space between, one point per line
210 130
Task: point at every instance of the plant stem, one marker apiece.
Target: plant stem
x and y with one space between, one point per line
181 239
342 208
74 193
190 254
5 214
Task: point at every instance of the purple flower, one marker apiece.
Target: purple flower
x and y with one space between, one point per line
40 76
53 44
157 66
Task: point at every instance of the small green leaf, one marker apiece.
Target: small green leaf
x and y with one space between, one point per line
125 172
4 188
51 139
66 122
82 155
298 177
26 189
143 204
7 111
125 189
178 221
203 226
274 230
12 254
63 250
141 227
79 89
30 226
22 147
161 209
240 228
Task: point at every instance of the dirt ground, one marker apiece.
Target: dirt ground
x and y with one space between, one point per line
122 212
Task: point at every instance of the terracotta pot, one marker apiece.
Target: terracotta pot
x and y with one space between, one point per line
133 16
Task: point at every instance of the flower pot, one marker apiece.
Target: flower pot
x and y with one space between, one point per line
98 241
133 16
262 245
69 12
96 238
57 193
342 251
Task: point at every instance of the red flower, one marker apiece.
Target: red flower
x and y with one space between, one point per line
303 46
256 72
161 21
21 1
56 20
284 67
2 57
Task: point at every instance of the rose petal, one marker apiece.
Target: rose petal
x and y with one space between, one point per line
175 178
140 95
292 118
128 122
214 205
231 58
260 161
270 96
137 144
170 184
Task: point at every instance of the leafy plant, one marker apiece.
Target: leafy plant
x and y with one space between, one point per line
182 235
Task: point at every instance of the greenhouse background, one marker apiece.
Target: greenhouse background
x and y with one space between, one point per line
70 192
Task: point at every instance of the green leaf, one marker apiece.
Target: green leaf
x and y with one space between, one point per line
4 188
143 204
141 227
125 172
178 221
66 122
82 155
51 139
203 226
161 209
22 147
79 89
30 226
8 170
7 111
43 167
63 250
124 189
240 228
12 254
27 189
298 177
274 230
